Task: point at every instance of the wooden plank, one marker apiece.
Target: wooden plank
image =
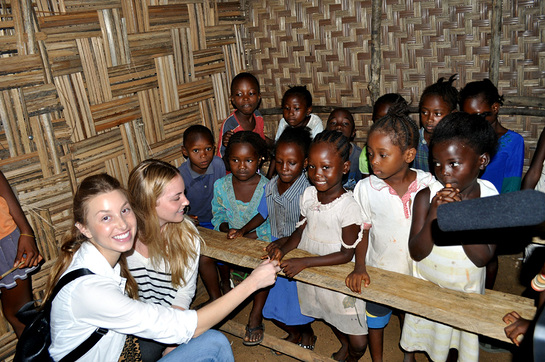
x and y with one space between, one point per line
475 313
278 344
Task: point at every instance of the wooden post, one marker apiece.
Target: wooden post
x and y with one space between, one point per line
495 41
376 56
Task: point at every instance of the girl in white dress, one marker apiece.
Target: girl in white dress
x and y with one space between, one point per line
461 147
330 227
386 200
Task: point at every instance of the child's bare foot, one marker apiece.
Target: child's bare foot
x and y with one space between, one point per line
341 354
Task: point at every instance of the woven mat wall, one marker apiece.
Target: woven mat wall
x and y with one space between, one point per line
326 46
97 86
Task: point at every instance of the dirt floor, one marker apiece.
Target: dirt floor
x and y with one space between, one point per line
327 343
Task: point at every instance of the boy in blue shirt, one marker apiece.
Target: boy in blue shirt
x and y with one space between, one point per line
199 172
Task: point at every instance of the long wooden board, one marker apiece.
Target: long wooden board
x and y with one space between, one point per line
481 314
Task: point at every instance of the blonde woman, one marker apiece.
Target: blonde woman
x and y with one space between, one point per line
164 261
104 228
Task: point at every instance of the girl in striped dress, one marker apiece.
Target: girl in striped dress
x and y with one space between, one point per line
461 148
164 261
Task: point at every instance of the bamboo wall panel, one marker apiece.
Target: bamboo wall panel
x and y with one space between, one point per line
98 86
326 46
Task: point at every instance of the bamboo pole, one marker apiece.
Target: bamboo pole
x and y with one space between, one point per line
376 59
495 41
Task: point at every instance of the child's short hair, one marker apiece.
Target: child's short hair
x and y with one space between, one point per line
341 143
296 135
249 137
402 130
395 100
197 129
471 129
443 89
245 75
484 88
300 91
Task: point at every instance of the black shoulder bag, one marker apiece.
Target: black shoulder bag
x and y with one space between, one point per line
33 345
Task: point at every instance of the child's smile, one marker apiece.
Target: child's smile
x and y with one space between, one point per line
326 169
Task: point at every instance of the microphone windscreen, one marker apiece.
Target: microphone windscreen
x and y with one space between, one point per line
513 209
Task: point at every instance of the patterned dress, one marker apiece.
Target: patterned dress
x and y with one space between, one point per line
226 208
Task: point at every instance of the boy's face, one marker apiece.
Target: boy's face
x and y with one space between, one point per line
343 122
245 96
295 111
200 151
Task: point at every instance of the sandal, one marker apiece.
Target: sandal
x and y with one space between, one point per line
249 332
310 346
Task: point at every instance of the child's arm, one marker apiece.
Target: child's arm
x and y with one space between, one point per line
424 215
294 266
534 172
480 254
27 243
359 275
277 251
250 226
517 326
219 214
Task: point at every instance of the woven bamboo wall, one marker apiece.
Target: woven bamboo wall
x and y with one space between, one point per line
326 45
98 86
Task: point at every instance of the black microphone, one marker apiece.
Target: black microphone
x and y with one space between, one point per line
513 209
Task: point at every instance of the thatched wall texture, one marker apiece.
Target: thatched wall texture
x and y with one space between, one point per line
98 86
327 46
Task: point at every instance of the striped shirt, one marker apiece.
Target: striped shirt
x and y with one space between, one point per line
155 281
283 210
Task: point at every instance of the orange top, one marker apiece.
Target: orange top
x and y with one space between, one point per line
7 224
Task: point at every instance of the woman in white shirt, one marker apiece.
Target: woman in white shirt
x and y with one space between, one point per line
105 228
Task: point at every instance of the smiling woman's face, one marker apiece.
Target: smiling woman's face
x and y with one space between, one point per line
110 224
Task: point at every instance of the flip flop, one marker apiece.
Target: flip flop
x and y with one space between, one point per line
310 346
249 332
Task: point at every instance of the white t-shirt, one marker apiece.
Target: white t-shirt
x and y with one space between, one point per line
99 300
315 124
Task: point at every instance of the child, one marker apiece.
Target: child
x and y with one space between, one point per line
165 257
341 120
296 109
104 227
437 100
386 200
17 249
282 195
330 227
236 199
245 97
380 109
200 172
505 168
461 148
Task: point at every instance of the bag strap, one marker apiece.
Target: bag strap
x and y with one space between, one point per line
93 339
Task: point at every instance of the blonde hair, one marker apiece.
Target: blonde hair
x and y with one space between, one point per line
89 188
175 243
